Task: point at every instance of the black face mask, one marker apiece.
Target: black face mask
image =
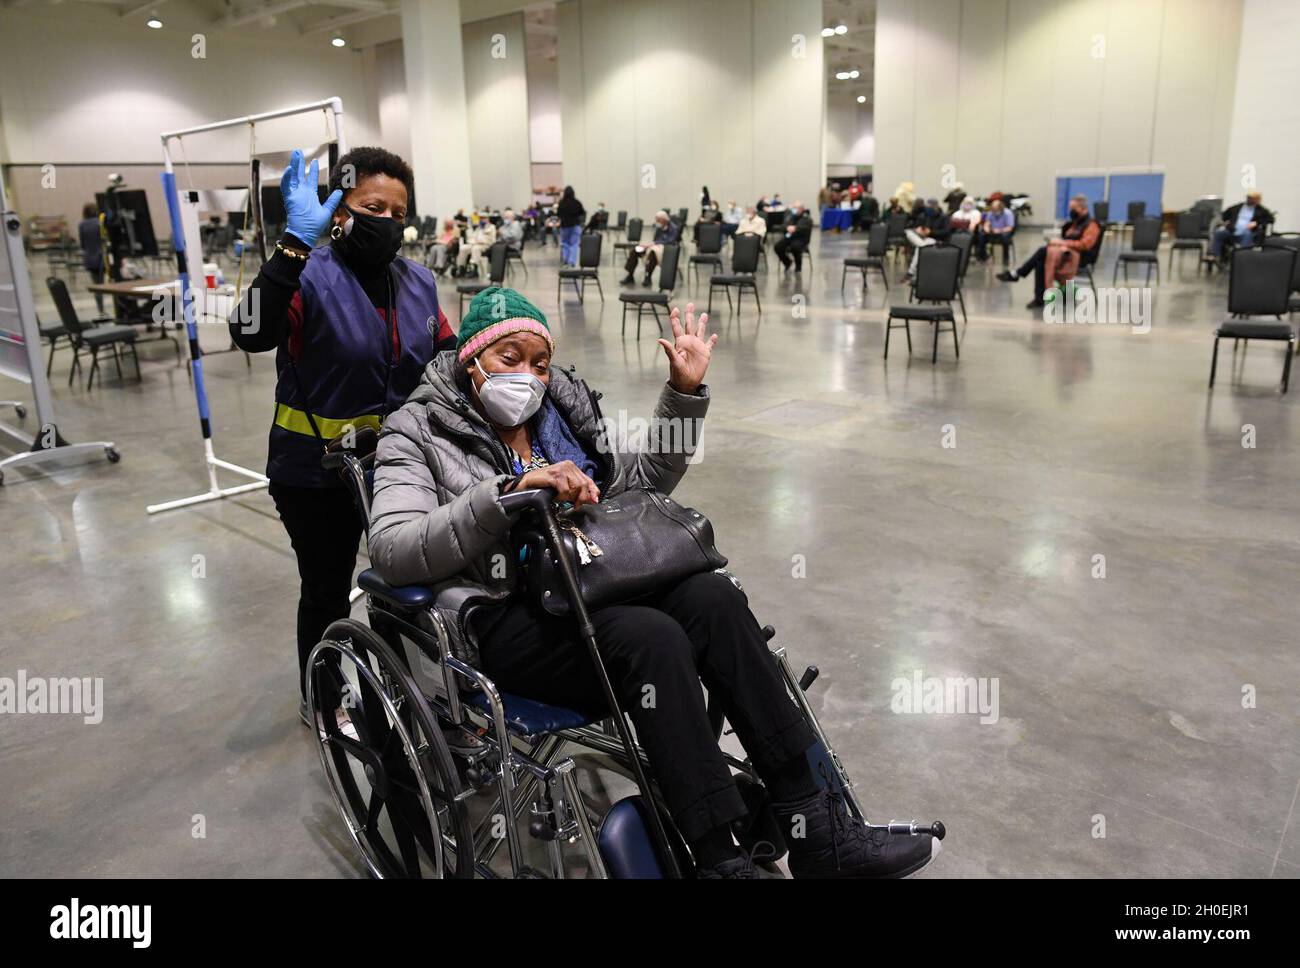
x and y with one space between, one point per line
372 242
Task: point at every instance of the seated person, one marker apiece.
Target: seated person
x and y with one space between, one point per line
477 241
930 225
753 223
798 236
444 247
666 233
732 219
462 440
599 220
511 231
1058 260
997 226
866 214
1244 222
966 218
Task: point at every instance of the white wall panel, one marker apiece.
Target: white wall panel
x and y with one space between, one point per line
1012 91
496 100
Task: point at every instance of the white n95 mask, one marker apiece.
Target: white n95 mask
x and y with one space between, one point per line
510 399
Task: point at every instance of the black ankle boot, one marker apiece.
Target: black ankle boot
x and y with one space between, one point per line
742 866
834 843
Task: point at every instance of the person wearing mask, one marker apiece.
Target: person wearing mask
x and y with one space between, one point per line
997 227
1058 260
442 467
511 231
731 219
666 233
570 214
752 224
353 327
92 248
966 218
929 226
1245 222
477 242
798 236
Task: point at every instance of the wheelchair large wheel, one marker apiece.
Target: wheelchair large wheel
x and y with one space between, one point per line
384 756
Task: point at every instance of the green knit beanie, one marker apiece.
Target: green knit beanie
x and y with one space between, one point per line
496 312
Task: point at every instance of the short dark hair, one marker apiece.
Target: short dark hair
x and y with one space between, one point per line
367 161
89 210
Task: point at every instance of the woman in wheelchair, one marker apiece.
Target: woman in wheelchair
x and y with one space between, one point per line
494 416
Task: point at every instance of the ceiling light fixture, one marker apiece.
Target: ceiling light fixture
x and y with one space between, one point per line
853 75
828 31
154 22
862 99
841 29
339 41
842 76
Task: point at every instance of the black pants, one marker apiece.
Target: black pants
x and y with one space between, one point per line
325 530
1037 262
651 260
984 239
657 654
789 245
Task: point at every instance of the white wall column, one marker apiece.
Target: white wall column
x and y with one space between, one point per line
435 87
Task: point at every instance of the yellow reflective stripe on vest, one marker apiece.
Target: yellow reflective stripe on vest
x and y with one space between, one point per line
296 421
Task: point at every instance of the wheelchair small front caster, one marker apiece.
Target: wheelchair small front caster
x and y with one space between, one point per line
21 411
112 454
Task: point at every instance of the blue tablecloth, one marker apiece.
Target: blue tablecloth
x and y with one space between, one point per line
836 218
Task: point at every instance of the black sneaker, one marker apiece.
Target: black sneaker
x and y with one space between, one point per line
1006 275
628 280
646 281
742 867
1035 304
836 844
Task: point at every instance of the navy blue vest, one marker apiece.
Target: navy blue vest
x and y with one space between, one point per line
347 364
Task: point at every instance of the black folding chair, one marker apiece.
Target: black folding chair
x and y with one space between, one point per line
938 268
708 250
744 263
877 248
631 239
587 269
93 338
1146 243
652 298
1260 285
1189 234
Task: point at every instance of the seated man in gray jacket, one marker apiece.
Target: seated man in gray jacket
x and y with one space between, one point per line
494 415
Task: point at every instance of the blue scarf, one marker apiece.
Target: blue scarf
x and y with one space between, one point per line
554 437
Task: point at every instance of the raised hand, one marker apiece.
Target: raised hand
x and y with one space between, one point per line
307 217
689 353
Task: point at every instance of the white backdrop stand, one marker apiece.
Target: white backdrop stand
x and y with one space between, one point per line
189 263
20 357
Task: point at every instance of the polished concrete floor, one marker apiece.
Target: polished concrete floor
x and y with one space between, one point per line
877 551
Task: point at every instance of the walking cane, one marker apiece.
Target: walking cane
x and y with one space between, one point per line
540 500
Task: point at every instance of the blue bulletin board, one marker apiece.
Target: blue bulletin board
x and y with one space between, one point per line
1067 186
1135 188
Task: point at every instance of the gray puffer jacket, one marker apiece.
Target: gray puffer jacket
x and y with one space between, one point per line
439 469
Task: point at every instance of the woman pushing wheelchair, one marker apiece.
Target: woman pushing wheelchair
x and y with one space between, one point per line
494 416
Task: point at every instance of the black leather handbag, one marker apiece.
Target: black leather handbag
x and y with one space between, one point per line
623 548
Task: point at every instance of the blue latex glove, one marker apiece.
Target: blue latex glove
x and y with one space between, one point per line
307 217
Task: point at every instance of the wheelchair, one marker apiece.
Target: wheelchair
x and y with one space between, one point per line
433 768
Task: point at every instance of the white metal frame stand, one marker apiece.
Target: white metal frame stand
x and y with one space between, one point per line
189 270
46 444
